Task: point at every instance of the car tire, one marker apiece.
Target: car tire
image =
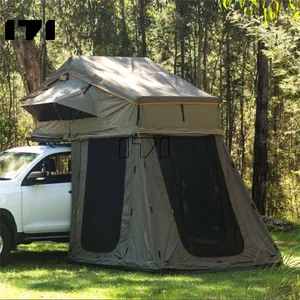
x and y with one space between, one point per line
5 245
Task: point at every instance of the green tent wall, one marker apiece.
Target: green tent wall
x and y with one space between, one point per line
153 185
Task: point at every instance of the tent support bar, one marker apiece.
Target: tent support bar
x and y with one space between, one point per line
182 112
153 132
138 115
87 88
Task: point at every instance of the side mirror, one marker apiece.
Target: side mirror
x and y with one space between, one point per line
36 177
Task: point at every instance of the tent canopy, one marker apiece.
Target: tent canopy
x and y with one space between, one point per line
116 95
136 79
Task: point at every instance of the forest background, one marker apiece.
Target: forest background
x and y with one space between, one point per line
246 52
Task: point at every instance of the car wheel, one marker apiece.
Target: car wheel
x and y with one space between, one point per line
5 245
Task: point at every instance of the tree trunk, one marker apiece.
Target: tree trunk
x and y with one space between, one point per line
175 54
260 165
44 45
200 34
10 110
190 68
242 125
181 33
214 76
182 53
228 95
205 42
126 51
27 53
142 27
195 56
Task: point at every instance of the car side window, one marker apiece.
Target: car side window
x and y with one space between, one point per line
57 168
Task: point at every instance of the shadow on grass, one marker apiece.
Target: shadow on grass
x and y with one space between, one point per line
21 258
36 268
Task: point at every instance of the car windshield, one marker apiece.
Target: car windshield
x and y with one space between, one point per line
12 163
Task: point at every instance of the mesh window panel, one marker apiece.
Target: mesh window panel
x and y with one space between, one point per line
104 193
50 111
198 195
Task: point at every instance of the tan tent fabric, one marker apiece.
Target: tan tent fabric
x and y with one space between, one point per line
149 238
153 185
93 96
136 79
115 116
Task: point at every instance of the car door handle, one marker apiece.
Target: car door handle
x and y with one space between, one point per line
70 192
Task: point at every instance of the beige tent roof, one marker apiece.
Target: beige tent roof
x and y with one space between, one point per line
112 95
135 79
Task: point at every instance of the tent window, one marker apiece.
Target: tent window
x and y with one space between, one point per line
50 111
199 197
104 193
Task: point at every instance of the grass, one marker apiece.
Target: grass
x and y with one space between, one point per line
40 271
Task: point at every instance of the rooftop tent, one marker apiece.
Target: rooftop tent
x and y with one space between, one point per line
64 99
94 96
153 185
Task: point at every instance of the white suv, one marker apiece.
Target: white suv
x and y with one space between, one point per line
35 196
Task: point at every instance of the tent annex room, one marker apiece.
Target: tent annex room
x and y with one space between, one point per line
153 185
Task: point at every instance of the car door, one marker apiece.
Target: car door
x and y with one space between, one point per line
46 205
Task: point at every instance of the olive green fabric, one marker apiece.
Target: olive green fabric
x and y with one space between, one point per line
149 237
115 116
69 93
126 97
120 95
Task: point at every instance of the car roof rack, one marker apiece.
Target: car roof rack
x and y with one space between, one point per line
52 142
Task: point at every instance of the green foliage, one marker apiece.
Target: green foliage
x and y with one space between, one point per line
269 9
11 88
214 45
291 192
282 48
